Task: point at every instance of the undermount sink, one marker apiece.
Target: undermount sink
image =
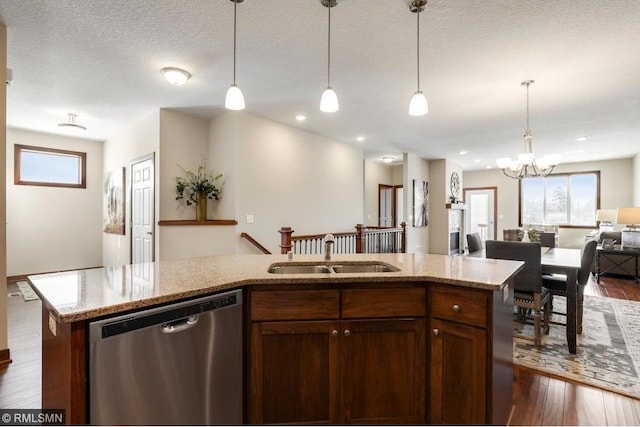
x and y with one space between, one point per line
360 267
364 268
298 269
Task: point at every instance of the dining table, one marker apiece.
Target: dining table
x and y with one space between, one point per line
564 261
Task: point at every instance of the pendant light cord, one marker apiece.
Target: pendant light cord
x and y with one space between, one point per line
329 48
235 7
529 130
418 47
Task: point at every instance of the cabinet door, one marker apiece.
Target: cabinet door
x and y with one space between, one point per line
458 374
294 375
383 371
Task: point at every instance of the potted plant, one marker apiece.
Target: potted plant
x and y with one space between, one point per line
195 188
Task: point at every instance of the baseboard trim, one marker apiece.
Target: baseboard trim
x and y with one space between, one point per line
23 277
5 357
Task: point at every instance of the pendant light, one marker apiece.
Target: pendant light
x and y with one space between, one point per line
329 100
418 105
234 99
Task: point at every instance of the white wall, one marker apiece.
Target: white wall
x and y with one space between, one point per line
140 139
53 228
284 176
636 180
616 190
184 140
417 237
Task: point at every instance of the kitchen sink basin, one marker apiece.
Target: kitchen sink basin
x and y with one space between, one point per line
298 269
360 267
364 268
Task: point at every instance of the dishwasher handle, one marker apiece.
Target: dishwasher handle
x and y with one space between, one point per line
180 325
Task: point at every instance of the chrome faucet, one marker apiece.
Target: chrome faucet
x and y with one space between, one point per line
328 241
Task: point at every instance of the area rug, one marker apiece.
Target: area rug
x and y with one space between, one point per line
27 293
608 353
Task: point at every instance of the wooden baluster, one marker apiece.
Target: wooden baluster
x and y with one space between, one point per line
403 246
360 238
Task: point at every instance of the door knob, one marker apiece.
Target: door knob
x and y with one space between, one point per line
148 232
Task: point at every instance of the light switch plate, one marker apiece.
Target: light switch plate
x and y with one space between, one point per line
249 219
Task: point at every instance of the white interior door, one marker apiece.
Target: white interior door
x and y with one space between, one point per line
481 216
142 210
399 205
385 205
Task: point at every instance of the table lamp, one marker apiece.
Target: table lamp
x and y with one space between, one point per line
631 234
607 218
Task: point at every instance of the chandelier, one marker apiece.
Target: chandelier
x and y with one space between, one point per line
526 165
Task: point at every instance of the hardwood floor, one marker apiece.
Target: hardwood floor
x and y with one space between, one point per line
539 399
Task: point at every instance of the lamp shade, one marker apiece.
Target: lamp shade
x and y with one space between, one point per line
629 216
418 105
607 215
234 99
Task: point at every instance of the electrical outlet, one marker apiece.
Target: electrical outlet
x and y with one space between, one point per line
249 219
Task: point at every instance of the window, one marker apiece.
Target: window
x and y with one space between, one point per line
569 200
49 167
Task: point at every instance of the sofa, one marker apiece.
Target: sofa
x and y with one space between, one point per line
608 262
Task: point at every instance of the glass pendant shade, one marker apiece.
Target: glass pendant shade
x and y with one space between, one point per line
234 99
329 101
418 105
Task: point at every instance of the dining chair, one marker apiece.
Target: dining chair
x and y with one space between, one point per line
548 239
474 242
557 283
528 290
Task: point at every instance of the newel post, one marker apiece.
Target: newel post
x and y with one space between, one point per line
403 249
360 238
285 239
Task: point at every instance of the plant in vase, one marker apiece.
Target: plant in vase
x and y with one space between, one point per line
195 188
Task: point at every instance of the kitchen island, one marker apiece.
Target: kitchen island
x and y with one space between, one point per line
431 342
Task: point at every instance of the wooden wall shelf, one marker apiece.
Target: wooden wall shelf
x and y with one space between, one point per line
194 222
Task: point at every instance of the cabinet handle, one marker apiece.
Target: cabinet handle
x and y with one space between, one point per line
347 332
436 332
334 333
456 308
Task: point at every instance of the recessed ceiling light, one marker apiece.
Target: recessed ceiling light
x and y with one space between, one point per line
175 76
462 153
360 138
301 117
387 159
581 138
476 161
489 167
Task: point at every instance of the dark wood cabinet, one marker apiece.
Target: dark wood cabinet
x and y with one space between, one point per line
470 342
350 369
458 374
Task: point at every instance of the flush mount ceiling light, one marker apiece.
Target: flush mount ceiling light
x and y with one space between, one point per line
526 165
71 123
234 99
387 159
175 76
418 105
329 100
301 117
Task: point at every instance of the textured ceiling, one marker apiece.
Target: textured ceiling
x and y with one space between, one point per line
101 60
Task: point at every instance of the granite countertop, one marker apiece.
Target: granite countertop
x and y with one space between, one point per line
85 294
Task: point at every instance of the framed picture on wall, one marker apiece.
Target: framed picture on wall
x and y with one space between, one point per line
420 203
113 204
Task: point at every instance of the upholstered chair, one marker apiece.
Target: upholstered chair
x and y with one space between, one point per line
474 242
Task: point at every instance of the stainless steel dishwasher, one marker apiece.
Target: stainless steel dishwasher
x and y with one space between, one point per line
176 364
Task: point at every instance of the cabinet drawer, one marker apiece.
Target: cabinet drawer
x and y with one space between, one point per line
462 306
395 302
295 304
